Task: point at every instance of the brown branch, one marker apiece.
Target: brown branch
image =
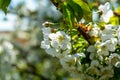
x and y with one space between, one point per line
82 29
84 34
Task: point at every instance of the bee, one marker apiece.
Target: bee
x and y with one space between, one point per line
82 26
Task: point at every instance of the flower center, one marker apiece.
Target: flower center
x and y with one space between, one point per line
60 38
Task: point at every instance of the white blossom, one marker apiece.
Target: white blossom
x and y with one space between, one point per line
103 50
51 51
92 70
114 59
71 61
98 60
106 12
46 31
109 29
105 47
105 37
107 33
94 32
106 73
111 44
56 44
60 40
45 44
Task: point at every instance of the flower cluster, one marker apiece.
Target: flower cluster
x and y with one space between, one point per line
106 12
98 60
103 54
58 44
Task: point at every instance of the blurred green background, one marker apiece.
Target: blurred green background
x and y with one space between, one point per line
21 57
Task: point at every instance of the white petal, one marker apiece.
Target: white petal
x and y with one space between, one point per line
106 17
101 7
51 51
117 64
105 37
45 44
80 55
55 44
52 36
107 6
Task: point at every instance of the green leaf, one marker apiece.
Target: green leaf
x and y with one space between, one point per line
4 4
78 12
68 15
87 13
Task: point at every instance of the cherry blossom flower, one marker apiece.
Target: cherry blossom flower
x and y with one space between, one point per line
55 44
107 46
107 73
60 40
106 12
114 59
71 61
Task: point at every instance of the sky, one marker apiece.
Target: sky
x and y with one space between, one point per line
7 22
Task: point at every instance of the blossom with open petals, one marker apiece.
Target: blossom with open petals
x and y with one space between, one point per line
106 12
105 47
60 40
72 61
56 44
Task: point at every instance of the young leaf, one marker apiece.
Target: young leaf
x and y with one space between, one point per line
87 13
68 14
78 12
